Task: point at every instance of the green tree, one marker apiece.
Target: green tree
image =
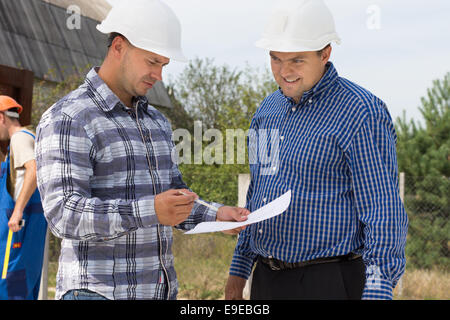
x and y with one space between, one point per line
424 156
221 98
46 93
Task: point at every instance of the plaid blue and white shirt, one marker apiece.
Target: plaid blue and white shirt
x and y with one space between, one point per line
336 151
98 189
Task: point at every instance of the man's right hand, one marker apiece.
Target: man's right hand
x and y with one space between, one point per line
172 207
234 288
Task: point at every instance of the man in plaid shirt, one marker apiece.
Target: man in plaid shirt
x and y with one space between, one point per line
109 186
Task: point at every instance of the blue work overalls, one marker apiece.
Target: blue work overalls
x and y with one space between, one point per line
27 248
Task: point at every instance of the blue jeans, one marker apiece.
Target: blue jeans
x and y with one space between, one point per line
82 294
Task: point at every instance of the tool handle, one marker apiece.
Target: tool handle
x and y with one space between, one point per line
7 252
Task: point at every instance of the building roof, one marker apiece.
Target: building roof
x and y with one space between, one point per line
34 35
96 10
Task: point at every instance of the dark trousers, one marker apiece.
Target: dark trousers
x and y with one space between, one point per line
325 281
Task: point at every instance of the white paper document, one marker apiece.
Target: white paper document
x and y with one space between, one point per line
270 210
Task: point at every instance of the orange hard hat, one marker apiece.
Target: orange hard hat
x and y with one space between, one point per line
7 103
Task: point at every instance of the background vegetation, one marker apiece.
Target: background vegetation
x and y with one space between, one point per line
424 156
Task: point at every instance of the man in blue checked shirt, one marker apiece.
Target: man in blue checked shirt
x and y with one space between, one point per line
344 234
109 186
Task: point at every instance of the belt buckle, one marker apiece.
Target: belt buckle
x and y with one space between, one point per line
273 266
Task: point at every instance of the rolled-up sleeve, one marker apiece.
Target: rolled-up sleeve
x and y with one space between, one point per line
65 165
373 164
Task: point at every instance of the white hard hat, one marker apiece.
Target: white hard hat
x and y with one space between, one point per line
298 26
150 25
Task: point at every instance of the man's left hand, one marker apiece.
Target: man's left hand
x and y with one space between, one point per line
237 214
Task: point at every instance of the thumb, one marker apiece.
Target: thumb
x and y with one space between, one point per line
240 214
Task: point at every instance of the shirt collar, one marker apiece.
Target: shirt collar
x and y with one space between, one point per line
324 83
108 98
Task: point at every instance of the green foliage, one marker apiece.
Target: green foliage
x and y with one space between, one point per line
424 156
221 98
46 93
213 182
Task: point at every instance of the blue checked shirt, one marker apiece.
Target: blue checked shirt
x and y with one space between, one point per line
98 188
336 151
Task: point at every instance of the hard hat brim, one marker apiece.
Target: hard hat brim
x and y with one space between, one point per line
175 54
289 45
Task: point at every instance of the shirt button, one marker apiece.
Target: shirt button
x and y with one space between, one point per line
294 108
270 257
281 138
274 168
260 231
310 101
265 199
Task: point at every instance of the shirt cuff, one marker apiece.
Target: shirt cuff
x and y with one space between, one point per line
210 214
241 266
377 288
144 212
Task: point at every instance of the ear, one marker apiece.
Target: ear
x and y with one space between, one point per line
118 47
326 53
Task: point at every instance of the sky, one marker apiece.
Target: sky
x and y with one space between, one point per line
394 48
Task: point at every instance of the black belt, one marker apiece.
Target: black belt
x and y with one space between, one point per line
276 264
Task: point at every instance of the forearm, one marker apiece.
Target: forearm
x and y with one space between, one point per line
199 214
379 207
28 187
77 217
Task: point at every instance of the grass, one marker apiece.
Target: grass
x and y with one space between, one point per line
202 263
424 285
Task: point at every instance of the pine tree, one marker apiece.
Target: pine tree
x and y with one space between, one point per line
424 156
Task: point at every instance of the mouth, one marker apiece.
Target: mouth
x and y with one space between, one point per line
148 84
291 81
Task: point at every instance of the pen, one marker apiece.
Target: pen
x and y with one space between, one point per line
201 202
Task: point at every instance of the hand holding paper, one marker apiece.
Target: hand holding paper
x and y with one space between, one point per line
270 210
232 214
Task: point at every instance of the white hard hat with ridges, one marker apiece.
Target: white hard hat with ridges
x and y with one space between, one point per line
298 26
150 25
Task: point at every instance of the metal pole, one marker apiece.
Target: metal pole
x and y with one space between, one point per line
243 184
43 289
402 197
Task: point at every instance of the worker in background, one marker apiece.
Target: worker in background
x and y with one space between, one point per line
109 186
20 209
344 234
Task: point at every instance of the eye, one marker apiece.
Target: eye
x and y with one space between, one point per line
297 61
275 59
151 62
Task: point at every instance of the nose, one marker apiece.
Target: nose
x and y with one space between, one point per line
285 70
157 74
